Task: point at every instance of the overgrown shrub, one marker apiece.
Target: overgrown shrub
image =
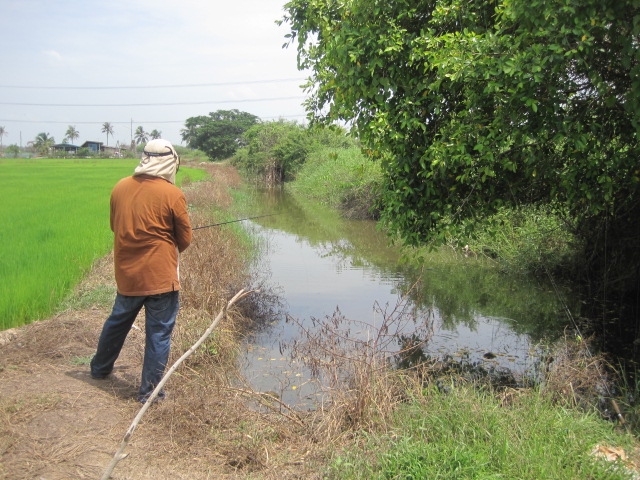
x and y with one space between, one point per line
343 178
536 240
276 151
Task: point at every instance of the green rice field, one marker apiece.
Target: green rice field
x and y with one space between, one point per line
54 223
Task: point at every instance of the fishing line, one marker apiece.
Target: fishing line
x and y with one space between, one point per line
234 221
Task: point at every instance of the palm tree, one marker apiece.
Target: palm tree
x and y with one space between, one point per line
140 136
43 143
3 132
155 134
108 129
72 133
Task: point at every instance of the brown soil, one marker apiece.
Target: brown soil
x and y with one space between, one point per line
56 422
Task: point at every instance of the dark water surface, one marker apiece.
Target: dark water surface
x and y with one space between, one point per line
321 266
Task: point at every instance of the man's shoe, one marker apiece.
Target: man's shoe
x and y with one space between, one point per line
161 396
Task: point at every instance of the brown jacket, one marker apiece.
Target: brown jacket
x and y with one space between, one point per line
150 223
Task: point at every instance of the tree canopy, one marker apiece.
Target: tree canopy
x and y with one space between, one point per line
219 134
276 150
475 105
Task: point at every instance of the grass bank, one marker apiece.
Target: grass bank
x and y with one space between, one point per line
55 217
343 178
460 432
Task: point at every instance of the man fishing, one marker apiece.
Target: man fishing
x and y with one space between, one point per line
151 226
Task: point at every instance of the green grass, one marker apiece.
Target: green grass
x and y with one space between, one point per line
528 240
55 223
467 434
340 178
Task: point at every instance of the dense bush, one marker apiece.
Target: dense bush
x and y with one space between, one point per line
343 178
529 240
275 151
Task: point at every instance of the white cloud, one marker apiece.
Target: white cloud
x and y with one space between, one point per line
52 55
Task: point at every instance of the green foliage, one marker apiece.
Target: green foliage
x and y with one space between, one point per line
107 128
190 154
528 240
72 133
343 178
140 136
43 143
467 434
13 150
86 360
275 151
99 296
475 106
219 134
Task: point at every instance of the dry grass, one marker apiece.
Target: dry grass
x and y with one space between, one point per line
354 362
575 377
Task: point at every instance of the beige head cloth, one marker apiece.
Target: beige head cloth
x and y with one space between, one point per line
159 160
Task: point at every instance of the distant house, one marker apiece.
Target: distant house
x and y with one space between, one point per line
113 151
65 147
93 146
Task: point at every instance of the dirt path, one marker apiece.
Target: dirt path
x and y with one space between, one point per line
59 423
56 422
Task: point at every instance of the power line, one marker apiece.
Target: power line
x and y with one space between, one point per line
127 122
145 87
204 102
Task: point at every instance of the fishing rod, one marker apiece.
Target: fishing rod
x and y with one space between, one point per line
234 221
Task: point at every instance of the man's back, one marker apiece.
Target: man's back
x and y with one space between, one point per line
150 224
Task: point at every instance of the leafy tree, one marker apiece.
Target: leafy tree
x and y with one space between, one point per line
218 135
155 134
108 129
140 136
273 150
43 143
276 150
476 105
188 133
3 132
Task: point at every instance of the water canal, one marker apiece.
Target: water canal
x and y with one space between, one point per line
321 269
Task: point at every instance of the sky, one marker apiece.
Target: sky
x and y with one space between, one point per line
149 63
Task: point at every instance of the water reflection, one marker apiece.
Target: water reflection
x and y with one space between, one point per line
321 264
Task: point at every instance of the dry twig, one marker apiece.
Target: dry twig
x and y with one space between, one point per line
119 455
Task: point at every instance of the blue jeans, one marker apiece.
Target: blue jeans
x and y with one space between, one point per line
160 314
